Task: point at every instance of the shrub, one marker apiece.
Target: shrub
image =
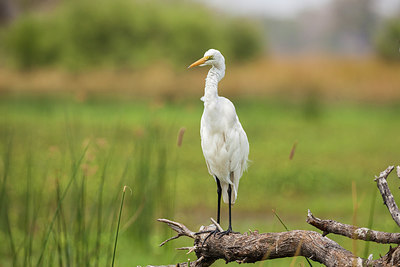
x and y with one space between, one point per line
29 42
86 33
245 40
388 41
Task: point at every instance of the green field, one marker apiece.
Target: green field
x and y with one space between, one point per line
64 164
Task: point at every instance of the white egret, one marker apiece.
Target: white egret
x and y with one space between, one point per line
223 140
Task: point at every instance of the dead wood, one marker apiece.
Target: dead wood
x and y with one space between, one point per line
351 231
253 246
387 196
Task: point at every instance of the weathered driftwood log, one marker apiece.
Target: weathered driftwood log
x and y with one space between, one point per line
252 247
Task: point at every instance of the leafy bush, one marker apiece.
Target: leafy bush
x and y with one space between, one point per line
29 42
120 33
388 41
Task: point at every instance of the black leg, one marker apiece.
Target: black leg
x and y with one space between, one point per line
227 232
230 204
219 191
213 232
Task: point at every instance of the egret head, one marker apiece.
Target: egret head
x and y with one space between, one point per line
212 57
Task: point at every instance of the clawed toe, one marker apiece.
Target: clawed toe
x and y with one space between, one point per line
204 232
210 233
227 232
215 232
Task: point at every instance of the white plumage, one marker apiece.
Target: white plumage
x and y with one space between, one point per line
223 140
224 143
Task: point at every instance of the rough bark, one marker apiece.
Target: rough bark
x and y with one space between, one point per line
253 246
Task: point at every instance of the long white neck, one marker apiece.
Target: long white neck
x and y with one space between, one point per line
215 74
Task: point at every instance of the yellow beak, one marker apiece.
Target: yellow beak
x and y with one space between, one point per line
199 62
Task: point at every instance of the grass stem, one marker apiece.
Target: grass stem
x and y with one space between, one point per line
119 222
75 170
277 216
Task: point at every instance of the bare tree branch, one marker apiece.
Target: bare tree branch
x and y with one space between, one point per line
179 228
331 226
387 196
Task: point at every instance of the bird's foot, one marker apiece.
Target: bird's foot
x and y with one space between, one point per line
210 233
227 232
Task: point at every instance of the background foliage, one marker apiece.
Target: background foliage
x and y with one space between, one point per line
82 34
388 41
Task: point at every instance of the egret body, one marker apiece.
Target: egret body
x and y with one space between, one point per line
223 140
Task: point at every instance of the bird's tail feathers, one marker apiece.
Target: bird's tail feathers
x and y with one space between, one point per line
247 164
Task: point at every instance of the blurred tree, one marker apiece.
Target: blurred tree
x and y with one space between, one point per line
120 33
245 38
388 40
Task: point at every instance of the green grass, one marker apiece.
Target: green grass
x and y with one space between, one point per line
63 164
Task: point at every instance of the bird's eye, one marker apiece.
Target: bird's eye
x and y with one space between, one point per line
210 58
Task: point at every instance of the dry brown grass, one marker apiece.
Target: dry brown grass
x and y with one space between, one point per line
363 79
354 79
